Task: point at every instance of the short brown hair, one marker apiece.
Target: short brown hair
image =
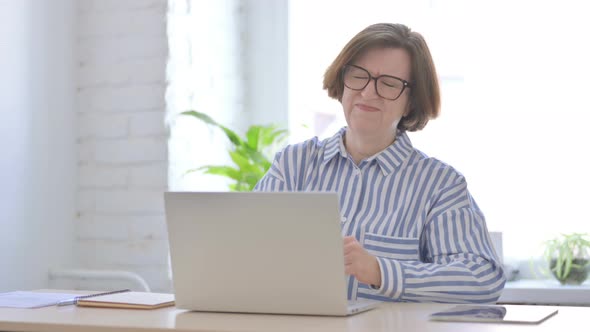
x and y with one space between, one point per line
424 91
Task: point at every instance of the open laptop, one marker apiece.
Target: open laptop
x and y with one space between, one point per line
258 252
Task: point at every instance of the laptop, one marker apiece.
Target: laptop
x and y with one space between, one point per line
255 252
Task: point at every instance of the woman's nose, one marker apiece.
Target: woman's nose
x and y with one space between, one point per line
370 90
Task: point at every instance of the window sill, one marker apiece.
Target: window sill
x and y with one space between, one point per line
548 291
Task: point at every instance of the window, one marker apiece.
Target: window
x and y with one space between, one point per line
205 74
228 58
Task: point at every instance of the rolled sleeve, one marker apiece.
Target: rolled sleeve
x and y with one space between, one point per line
392 279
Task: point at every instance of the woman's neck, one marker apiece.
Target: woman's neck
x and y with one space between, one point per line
361 146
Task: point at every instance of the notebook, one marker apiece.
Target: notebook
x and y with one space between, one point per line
32 299
129 300
258 252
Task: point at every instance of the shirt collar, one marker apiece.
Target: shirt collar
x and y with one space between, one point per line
335 145
389 159
395 154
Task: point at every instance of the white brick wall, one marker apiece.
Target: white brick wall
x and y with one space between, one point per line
122 139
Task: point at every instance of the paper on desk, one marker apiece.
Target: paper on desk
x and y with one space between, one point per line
20 299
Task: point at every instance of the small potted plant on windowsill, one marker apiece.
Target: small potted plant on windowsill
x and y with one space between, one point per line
251 154
568 256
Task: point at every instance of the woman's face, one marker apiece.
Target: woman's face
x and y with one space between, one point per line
368 114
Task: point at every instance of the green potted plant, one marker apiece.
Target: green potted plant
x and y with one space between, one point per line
251 154
568 257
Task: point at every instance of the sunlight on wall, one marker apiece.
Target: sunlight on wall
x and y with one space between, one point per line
204 74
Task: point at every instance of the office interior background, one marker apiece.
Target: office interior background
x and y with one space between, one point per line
91 138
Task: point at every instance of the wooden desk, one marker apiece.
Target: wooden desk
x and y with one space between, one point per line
390 317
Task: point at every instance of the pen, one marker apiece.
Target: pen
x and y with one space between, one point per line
67 302
75 299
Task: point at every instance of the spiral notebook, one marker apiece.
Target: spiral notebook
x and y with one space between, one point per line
128 300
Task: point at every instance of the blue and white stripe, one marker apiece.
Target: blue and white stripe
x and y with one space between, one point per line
414 213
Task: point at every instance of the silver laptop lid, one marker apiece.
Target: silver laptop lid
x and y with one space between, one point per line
257 252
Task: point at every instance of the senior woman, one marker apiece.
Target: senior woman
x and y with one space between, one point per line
412 232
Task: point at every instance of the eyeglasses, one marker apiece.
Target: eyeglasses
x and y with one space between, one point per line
387 86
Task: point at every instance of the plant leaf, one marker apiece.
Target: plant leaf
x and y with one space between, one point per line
256 157
251 154
243 162
231 135
226 171
253 136
567 268
271 135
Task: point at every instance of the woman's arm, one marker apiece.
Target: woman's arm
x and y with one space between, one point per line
457 262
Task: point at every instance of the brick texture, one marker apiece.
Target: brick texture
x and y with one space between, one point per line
122 138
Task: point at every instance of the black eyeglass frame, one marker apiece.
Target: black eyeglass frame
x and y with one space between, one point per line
405 83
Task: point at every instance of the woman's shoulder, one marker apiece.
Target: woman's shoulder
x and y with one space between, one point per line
432 164
311 143
314 145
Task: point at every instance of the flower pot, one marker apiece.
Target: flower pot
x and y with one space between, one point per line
577 274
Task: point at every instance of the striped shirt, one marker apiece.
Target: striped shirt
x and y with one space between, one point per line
412 212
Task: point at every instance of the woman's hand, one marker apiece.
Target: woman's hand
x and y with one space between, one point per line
360 264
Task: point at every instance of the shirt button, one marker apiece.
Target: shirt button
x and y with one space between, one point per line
343 219
357 171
